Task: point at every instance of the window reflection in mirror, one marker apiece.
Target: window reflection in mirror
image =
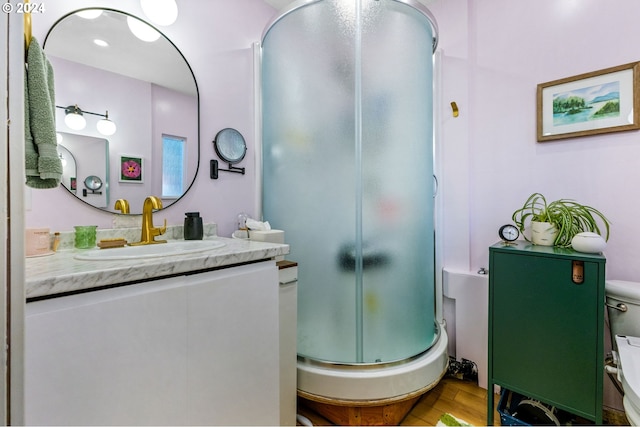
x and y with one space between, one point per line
149 91
173 166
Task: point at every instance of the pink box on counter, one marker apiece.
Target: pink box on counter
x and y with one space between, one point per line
37 241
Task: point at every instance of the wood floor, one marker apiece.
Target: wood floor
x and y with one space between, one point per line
461 398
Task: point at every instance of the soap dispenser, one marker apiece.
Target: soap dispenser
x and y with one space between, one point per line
193 226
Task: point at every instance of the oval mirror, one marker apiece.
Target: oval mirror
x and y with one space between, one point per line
230 145
146 88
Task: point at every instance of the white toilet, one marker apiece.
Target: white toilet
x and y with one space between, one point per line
623 305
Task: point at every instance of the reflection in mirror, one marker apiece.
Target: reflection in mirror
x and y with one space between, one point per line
148 89
90 159
69 170
230 146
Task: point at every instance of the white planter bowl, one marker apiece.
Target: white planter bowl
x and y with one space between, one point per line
543 233
588 242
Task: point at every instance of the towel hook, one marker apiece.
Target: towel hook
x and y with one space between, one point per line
454 108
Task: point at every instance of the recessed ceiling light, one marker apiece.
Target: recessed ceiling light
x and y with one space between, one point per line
89 13
100 42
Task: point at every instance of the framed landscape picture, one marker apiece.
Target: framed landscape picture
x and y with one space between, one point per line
588 104
131 169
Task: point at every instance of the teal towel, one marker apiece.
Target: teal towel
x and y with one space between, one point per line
42 162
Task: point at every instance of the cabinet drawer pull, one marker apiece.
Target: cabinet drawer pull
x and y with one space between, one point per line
620 306
577 272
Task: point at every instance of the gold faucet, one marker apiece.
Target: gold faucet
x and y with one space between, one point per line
149 232
122 205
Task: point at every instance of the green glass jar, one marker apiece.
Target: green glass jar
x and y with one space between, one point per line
85 236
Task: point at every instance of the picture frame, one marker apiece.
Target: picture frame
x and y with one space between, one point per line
593 103
131 169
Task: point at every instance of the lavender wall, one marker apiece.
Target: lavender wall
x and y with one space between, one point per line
494 54
76 84
142 111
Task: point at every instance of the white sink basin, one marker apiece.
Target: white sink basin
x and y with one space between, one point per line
171 248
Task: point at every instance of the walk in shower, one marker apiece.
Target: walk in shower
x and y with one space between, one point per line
347 117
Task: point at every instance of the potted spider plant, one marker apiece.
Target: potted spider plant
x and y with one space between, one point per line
556 223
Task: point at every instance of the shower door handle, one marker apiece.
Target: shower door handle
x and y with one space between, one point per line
370 257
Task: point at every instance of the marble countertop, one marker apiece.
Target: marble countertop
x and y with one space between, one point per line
61 272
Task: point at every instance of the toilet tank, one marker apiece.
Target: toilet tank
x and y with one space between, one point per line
623 306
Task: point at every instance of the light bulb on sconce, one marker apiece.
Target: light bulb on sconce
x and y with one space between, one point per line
160 12
106 126
142 30
74 119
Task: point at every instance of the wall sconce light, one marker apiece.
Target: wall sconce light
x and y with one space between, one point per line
106 126
142 30
74 119
160 12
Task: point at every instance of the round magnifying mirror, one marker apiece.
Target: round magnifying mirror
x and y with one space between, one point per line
92 182
230 145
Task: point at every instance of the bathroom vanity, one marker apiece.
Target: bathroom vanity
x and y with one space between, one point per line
546 326
186 340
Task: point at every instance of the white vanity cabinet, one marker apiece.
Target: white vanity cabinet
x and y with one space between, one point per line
199 349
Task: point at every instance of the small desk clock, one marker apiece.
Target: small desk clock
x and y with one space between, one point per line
508 233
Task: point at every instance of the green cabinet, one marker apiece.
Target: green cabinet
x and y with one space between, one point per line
546 320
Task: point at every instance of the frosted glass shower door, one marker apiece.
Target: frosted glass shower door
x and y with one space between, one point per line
347 173
397 180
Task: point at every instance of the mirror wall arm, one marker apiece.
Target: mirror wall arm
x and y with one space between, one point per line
214 169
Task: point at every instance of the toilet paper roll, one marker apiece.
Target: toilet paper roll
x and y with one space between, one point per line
271 236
